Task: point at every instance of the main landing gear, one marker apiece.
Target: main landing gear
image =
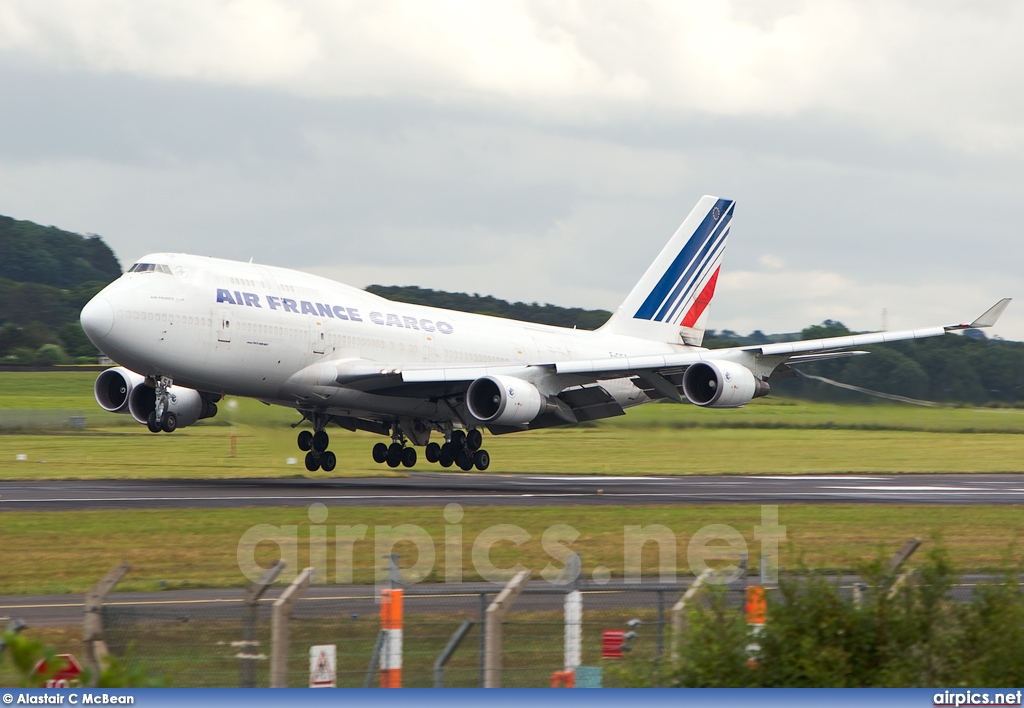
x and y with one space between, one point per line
461 449
396 453
315 446
161 419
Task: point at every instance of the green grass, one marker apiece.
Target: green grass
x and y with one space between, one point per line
771 436
64 552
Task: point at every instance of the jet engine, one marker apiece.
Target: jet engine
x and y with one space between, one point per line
721 384
188 405
113 388
505 400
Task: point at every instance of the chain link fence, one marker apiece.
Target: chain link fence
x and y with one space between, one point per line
201 643
204 643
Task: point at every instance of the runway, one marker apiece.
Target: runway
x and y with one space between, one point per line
432 488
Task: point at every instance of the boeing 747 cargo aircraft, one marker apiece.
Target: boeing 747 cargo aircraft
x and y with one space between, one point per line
188 330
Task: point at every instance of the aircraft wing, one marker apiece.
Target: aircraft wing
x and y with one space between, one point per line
783 352
426 379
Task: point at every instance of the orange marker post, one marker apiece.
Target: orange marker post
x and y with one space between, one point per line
391 624
757 613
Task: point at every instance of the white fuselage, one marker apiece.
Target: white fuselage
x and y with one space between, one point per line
258 331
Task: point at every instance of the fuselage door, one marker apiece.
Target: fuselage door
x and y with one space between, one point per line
318 337
224 328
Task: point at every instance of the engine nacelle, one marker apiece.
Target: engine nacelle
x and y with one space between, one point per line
721 384
188 405
504 400
113 388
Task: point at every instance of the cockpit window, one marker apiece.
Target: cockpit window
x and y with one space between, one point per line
149 268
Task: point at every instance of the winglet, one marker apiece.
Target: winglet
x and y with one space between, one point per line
991 314
989 318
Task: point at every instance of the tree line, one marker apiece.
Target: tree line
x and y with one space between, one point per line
967 368
46 276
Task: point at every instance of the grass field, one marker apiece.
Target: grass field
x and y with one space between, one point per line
775 436
68 552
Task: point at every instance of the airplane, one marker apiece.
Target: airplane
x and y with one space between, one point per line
188 330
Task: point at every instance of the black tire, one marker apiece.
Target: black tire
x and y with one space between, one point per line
433 452
408 456
151 423
305 441
312 461
321 440
169 423
474 439
446 459
394 455
464 459
328 461
458 438
449 449
380 453
482 460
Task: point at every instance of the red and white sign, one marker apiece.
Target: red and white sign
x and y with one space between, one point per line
68 672
323 662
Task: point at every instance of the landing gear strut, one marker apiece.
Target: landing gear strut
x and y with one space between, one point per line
315 445
161 418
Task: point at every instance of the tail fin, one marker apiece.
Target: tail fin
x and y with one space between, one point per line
669 304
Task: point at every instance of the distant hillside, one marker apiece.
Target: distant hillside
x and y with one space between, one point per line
46 276
488 305
30 253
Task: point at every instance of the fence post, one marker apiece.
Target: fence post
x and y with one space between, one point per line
279 629
92 625
453 644
679 611
247 647
483 637
391 628
899 558
573 629
661 639
493 630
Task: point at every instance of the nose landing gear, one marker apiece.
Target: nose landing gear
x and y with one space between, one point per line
161 419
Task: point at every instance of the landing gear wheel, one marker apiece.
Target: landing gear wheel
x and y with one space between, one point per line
312 461
170 423
464 460
305 441
447 458
152 424
482 460
380 453
408 456
458 438
474 439
433 452
394 455
328 461
321 440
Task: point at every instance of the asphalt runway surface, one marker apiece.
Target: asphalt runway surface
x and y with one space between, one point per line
435 489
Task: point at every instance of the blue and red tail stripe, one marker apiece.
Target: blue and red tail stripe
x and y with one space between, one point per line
697 260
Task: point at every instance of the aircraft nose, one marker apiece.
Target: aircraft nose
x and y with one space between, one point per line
97 319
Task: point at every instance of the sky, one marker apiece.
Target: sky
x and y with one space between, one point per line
540 151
